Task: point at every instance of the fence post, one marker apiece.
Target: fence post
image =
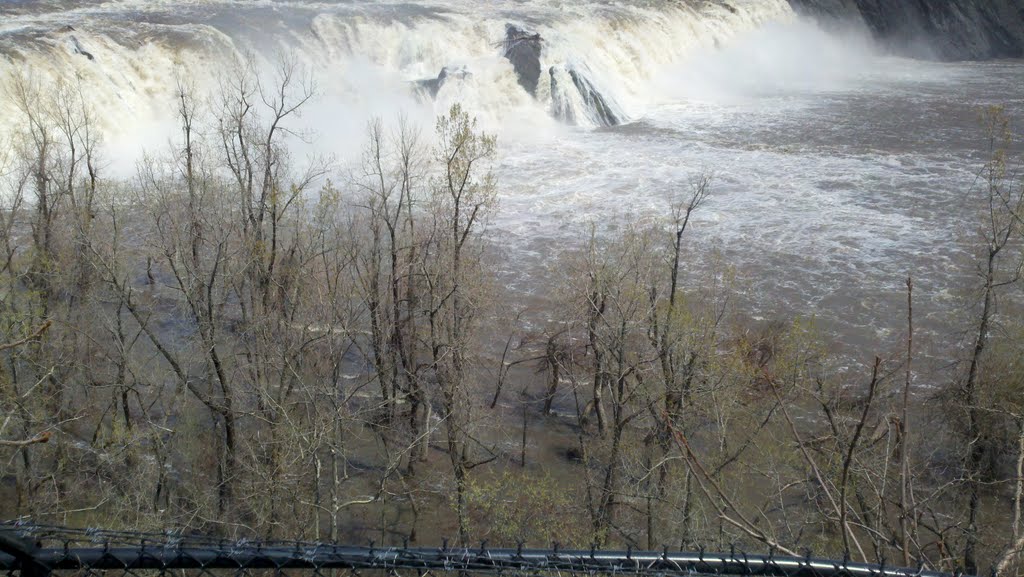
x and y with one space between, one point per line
24 551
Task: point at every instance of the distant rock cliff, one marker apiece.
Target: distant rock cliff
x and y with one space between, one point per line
941 29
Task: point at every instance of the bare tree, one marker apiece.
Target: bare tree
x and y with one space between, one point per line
1000 267
461 198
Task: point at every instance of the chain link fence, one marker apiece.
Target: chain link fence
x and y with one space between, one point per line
43 551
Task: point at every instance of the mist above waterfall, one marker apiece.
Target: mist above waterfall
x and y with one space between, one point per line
795 56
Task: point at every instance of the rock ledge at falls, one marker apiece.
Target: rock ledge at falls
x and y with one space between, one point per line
938 29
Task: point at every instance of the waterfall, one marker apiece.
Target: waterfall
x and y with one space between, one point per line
588 63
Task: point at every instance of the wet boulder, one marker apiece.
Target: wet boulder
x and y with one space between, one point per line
76 47
575 98
431 86
523 48
600 107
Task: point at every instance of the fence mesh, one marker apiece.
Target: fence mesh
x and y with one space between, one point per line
41 551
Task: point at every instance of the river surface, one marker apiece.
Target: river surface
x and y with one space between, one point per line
826 196
839 169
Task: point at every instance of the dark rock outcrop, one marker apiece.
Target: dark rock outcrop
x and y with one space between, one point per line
432 86
561 106
77 47
523 48
942 29
594 100
568 79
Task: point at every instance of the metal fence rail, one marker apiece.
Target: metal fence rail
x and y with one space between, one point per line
36 551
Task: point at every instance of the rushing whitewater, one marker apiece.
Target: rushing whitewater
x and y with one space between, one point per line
366 55
839 169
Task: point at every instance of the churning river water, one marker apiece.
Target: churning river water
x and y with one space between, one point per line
839 170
